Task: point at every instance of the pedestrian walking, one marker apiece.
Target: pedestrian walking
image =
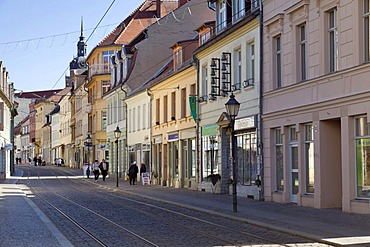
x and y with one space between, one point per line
96 170
103 168
88 170
132 172
35 161
142 168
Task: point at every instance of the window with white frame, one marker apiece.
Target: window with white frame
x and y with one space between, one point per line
114 109
279 163
130 120
303 52
119 110
204 82
333 40
144 117
109 113
149 125
103 120
118 72
238 9
165 109
251 63
157 111
277 61
255 4
221 15
173 108
105 87
366 20
178 58
237 68
309 160
138 118
183 102
107 60
134 119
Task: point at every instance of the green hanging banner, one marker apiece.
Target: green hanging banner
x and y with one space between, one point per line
193 107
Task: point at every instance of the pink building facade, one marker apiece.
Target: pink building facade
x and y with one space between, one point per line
316 103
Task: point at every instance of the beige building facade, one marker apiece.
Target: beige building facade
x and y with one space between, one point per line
173 127
316 103
229 63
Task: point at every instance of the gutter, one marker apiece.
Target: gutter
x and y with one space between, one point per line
260 127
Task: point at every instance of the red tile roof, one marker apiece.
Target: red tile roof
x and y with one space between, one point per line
138 20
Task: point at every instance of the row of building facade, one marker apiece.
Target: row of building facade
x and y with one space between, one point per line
299 69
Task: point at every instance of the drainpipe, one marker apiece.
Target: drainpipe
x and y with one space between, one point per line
126 149
260 126
149 93
197 170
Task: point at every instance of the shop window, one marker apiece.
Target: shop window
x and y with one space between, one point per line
210 155
362 140
247 158
279 165
309 160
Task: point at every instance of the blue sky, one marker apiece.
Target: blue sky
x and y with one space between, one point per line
38 38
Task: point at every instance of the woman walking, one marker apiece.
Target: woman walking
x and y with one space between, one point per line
96 170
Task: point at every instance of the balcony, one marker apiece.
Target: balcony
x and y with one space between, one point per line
99 69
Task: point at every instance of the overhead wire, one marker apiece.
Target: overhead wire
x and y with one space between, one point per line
167 16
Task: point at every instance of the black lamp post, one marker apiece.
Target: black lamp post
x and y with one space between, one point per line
88 144
117 135
232 108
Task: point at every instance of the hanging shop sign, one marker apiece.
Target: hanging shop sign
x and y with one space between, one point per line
246 123
173 137
193 107
210 130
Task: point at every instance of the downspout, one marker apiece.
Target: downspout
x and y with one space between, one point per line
197 170
126 148
260 127
13 113
149 93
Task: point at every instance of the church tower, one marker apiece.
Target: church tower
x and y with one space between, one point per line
78 64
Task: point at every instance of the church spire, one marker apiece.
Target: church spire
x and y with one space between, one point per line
81 46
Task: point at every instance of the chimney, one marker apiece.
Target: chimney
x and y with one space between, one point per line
158 8
182 2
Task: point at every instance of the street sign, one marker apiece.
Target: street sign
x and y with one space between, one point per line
88 144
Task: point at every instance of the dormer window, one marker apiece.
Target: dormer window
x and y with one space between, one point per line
177 57
221 15
238 9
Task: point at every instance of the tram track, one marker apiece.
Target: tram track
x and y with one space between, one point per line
83 227
156 216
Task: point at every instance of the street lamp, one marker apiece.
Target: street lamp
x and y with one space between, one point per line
117 135
232 108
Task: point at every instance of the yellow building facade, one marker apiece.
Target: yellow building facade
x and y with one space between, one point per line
173 127
99 75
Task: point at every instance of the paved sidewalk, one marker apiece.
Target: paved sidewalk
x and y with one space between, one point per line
22 222
330 226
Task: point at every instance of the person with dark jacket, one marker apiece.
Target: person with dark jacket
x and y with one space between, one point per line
104 168
142 168
132 172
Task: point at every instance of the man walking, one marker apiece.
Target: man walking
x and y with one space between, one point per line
132 172
104 168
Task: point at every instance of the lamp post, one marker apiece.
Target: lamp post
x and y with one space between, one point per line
88 145
117 135
232 108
